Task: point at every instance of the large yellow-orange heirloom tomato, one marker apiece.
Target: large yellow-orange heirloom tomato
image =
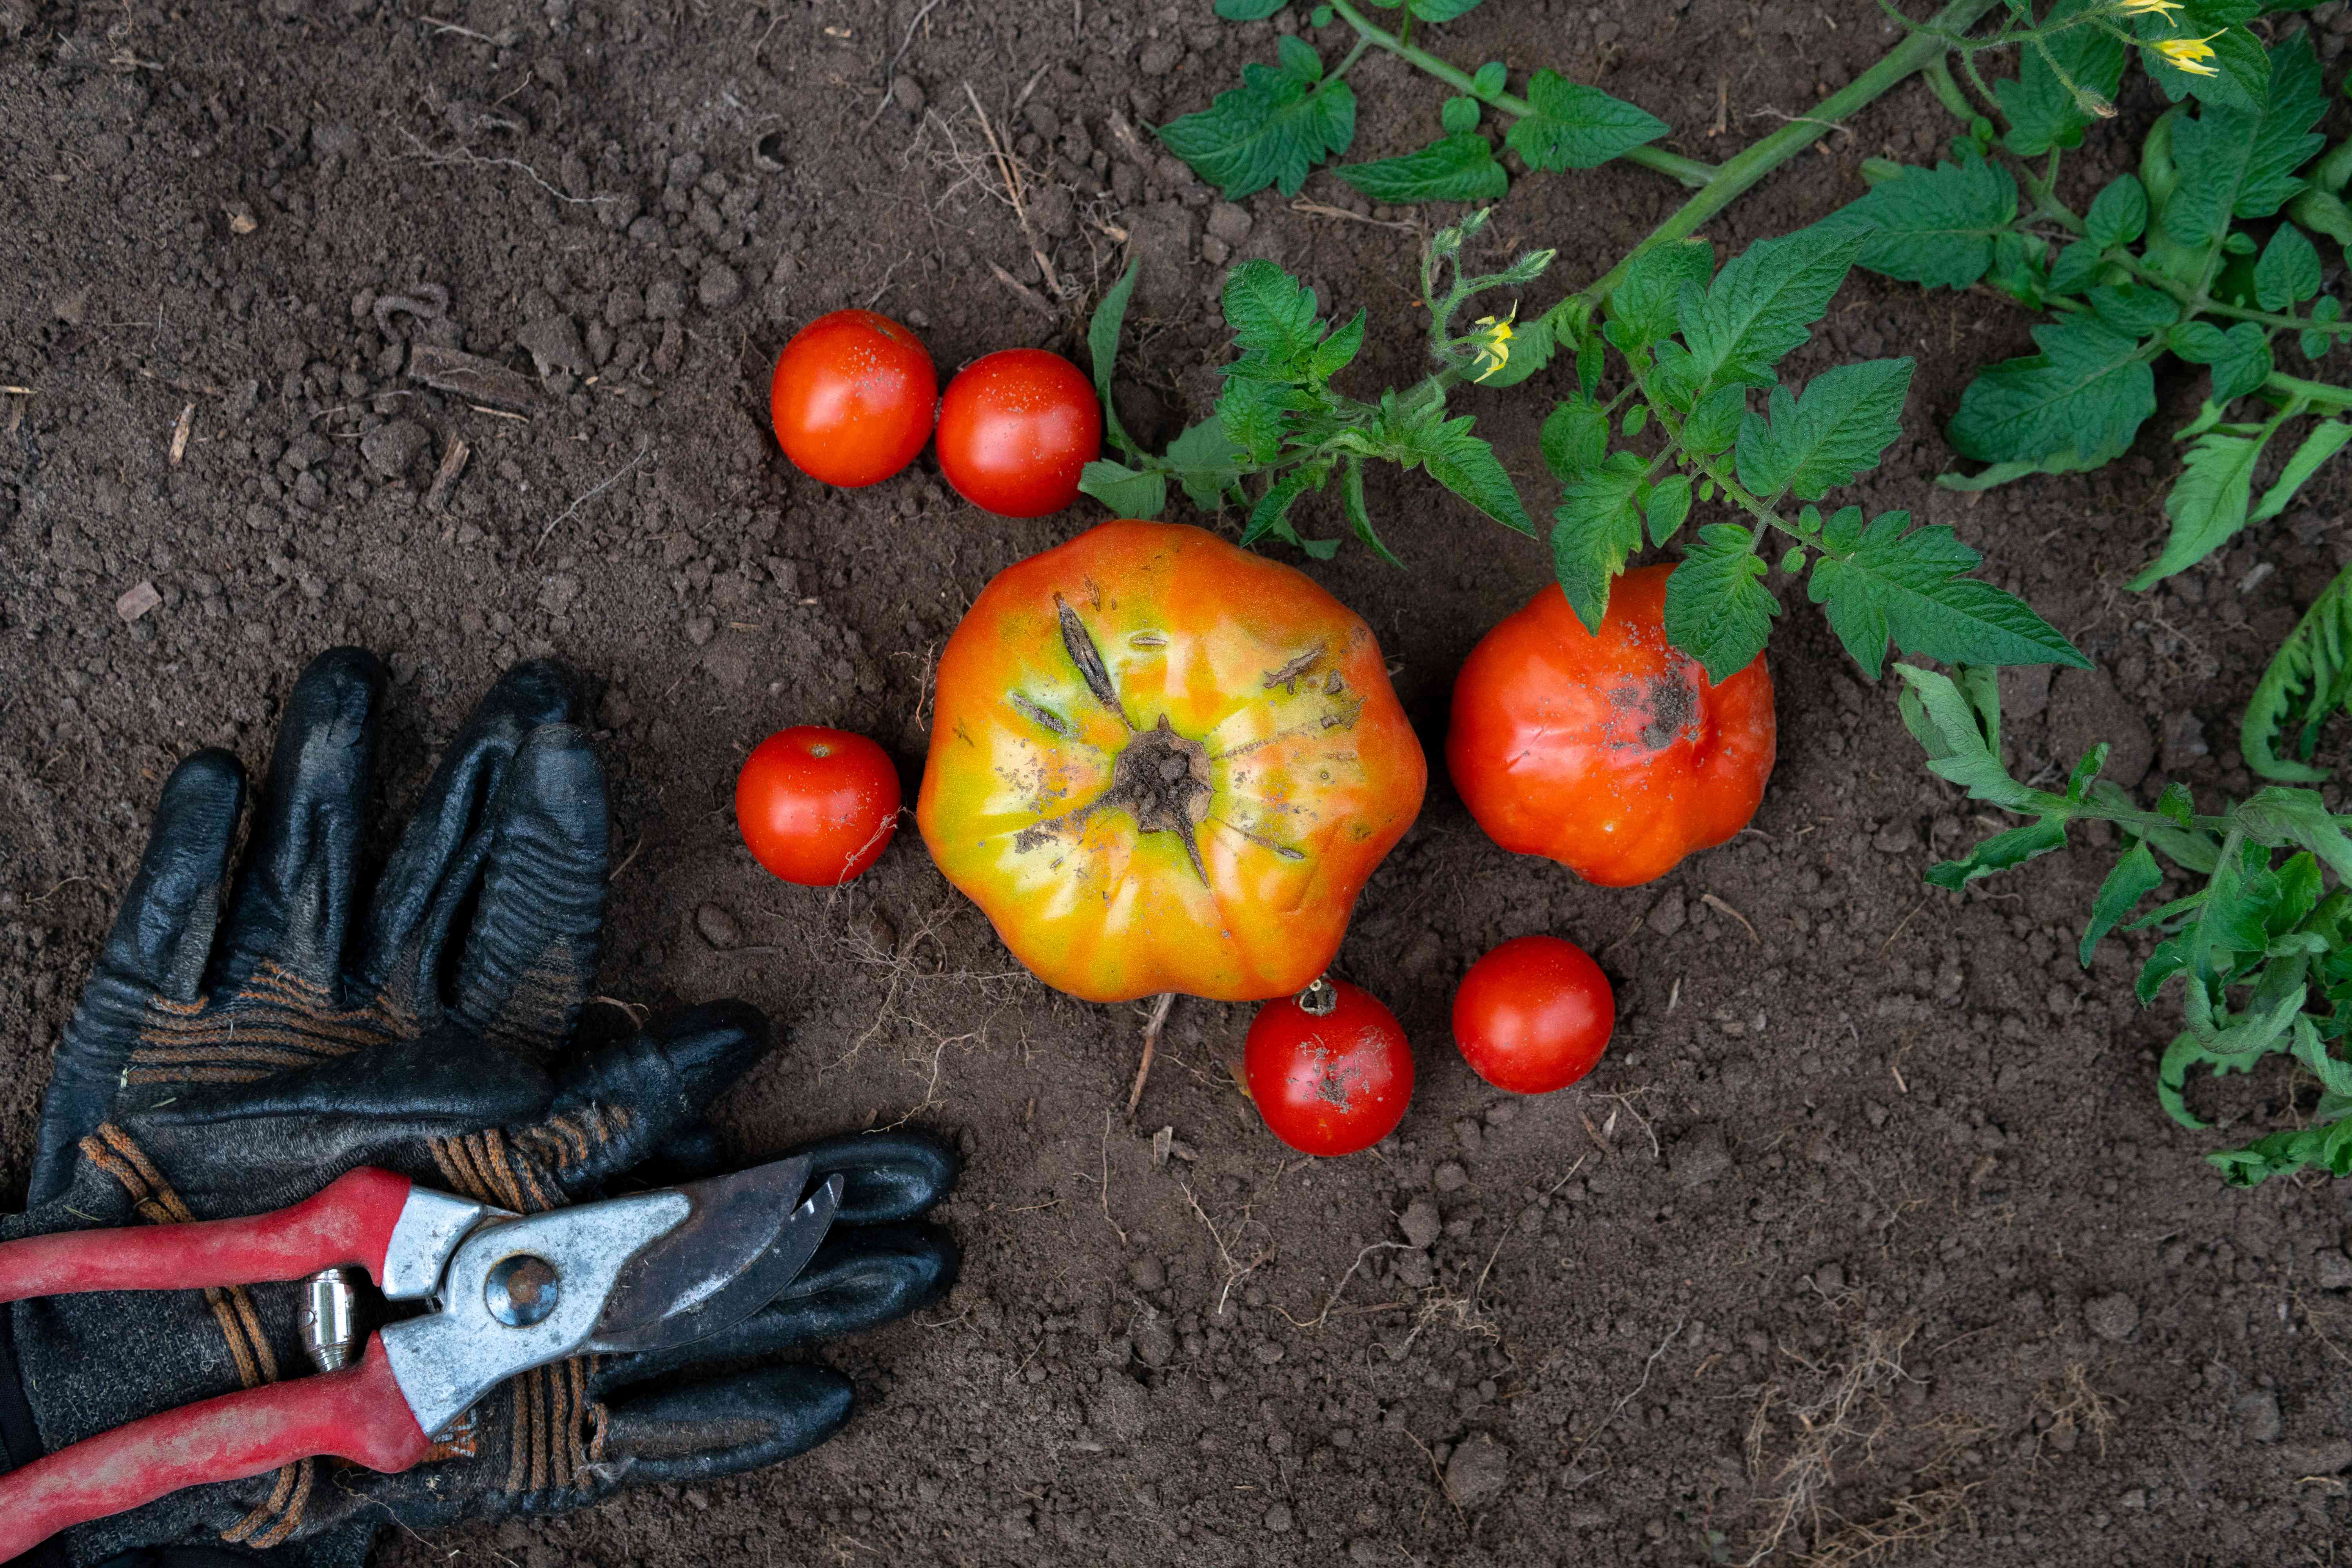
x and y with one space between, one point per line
1159 763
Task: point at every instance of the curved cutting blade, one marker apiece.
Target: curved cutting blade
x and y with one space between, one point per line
747 1236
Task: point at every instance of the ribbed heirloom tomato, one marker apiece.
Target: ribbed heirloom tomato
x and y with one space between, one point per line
1159 763
853 398
1613 754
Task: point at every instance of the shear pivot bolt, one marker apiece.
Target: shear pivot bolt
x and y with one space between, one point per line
522 1290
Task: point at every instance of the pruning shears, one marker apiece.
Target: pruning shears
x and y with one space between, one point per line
501 1293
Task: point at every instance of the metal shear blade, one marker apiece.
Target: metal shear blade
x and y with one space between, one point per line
741 1243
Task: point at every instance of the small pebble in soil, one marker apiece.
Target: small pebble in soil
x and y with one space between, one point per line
1699 1155
1668 915
1476 1470
1420 1222
718 927
2258 1417
1450 1177
2112 1317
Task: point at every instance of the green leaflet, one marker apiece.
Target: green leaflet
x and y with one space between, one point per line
1463 463
2207 504
1272 513
2242 162
1669 507
2244 363
1102 348
1248 10
2309 677
1718 609
1272 129
2041 110
1128 491
2088 391
1846 417
1271 313
2288 272
1890 581
1205 462
2323 442
1762 304
1459 168
1359 516
1715 423
1578 127
2135 877
1933 226
1595 527
2068 462
2118 213
1641 309
1957 721
2239 77
1575 440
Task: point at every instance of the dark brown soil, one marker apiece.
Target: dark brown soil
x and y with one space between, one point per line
1869 1224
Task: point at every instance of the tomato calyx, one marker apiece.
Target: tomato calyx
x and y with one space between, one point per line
1321 999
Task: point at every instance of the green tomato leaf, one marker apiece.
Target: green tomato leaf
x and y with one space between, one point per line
2088 391
2118 213
1718 609
1812 443
2309 679
1272 513
2041 108
1596 526
1206 463
2078 266
1452 169
2207 504
2198 342
1669 504
1463 463
1958 723
1127 491
1271 130
1715 423
1641 309
1575 440
1933 226
2288 272
1532 348
1336 352
1459 116
1271 312
1248 10
2240 161
2002 852
1442 10
2244 363
2323 442
1488 79
1577 127
1102 347
2134 309
1359 516
2236 76
1909 586
1763 304
2067 462
2135 877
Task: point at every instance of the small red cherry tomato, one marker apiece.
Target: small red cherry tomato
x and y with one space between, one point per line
1331 1084
1534 1015
817 806
853 398
1015 429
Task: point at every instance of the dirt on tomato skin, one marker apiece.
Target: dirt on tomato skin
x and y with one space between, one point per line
1848 1125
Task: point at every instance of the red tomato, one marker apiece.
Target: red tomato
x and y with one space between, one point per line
1016 428
817 806
853 398
1331 1084
1534 1015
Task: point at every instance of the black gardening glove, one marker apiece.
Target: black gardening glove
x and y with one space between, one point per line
224 1067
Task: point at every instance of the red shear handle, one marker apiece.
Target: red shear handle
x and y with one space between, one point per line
358 1412
349 1222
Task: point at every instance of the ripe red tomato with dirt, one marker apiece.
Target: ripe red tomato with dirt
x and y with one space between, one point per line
1331 1083
817 806
1534 1015
1611 753
853 398
1016 428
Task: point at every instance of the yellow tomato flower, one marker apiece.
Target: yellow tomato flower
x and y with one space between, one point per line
1492 343
2147 7
2190 53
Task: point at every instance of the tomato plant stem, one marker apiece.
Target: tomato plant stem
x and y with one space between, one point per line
2313 393
1689 171
1732 177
